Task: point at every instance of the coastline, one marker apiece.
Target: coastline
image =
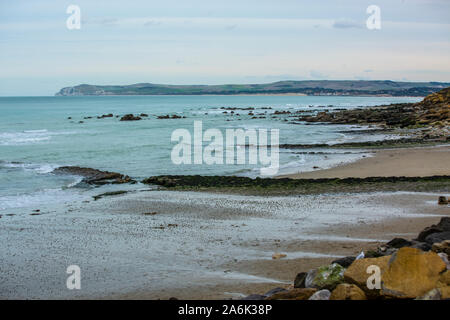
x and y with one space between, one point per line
407 162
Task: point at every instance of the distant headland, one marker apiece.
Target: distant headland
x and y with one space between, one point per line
307 87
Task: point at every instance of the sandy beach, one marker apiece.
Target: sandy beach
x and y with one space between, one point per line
247 276
199 245
408 162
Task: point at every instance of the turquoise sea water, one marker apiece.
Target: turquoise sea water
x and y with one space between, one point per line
36 136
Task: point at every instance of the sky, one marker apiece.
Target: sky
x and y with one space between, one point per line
218 42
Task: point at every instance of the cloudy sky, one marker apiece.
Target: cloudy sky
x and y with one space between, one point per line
214 42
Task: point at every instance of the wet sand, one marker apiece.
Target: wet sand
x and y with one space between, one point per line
197 245
408 162
411 212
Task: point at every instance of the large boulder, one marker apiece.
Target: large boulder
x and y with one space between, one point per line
293 294
325 277
345 291
411 273
443 225
357 273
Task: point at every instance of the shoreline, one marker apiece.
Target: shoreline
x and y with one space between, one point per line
407 162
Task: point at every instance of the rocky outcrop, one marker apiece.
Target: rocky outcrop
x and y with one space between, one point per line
94 176
407 273
168 116
433 110
411 273
130 117
285 186
109 115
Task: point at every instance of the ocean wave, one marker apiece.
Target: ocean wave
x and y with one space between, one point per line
37 198
39 168
27 137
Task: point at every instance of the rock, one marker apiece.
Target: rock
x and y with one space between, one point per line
345 291
344 262
293 294
150 213
108 194
278 256
428 231
383 251
357 273
143 115
174 116
411 273
444 258
273 291
109 115
442 200
443 225
130 117
325 277
94 176
254 297
443 246
421 246
438 237
321 295
398 243
299 281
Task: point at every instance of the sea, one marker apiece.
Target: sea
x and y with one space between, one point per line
39 134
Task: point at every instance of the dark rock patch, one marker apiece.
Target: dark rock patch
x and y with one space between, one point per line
94 176
130 117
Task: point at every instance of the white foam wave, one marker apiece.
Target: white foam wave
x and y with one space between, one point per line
39 168
27 137
38 198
